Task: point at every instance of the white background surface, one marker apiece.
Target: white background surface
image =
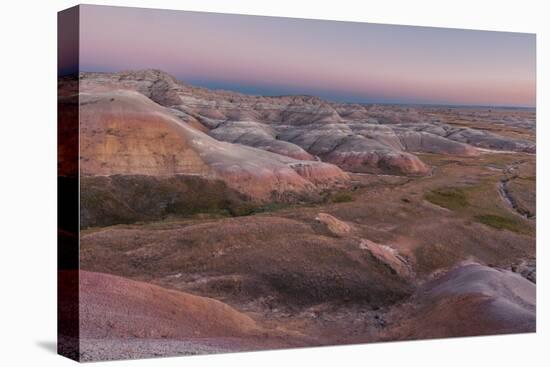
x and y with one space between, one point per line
28 182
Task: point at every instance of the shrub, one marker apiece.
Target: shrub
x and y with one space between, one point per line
498 222
341 197
450 198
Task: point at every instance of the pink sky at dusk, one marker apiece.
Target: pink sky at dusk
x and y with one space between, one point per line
342 61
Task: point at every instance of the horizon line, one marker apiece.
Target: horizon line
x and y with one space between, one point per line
402 103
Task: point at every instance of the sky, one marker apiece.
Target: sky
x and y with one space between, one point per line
340 61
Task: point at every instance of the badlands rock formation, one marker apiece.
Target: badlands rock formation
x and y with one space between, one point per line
125 133
470 299
334 225
264 149
355 137
388 256
258 135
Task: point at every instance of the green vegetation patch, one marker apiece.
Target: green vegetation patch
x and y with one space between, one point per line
341 197
450 198
125 199
251 208
498 222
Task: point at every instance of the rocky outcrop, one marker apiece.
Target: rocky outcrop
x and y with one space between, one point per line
357 138
334 225
338 144
265 122
526 268
465 136
411 139
470 299
380 161
125 133
257 135
388 256
487 140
